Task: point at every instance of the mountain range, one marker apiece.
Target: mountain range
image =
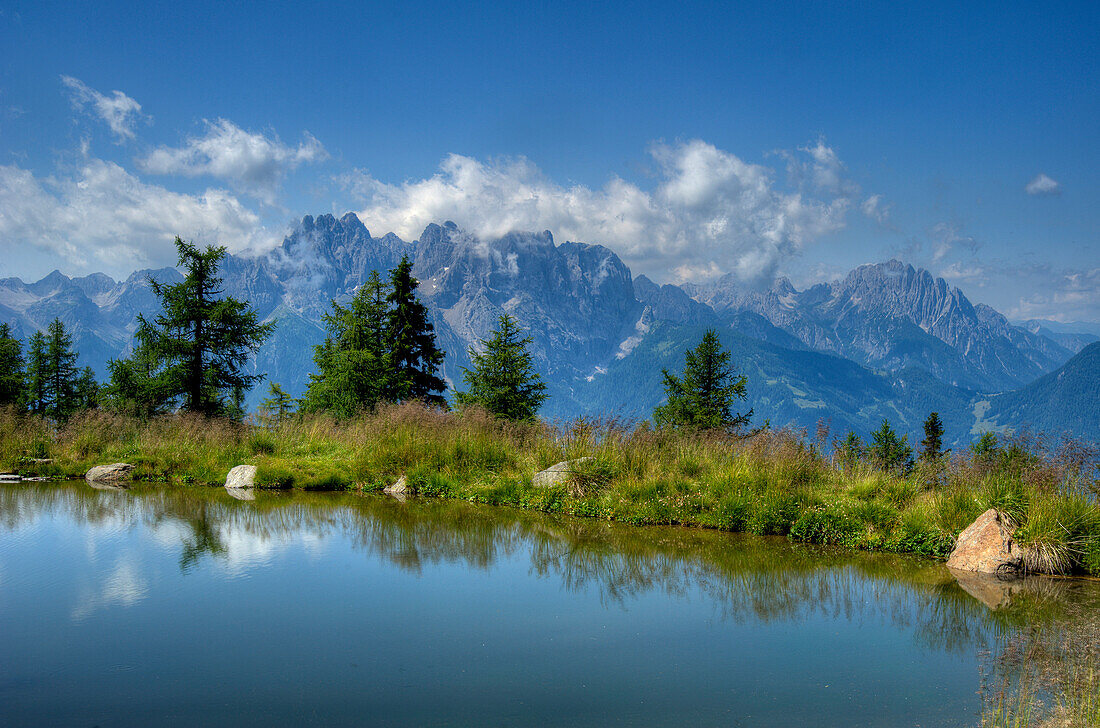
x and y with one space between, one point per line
886 341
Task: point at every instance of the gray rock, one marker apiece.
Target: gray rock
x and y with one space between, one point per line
399 489
892 315
557 474
241 476
114 473
10 477
986 546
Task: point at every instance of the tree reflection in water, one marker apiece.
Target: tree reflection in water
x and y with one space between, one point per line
1040 628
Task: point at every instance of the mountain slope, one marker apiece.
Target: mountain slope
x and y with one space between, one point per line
600 336
891 316
1064 402
785 387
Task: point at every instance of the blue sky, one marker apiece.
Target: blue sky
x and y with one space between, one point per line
760 139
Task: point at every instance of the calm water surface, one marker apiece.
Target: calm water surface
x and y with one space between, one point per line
161 606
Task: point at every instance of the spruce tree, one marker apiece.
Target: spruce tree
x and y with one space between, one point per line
888 451
932 444
703 397
12 369
351 362
503 379
850 450
203 339
36 396
413 359
61 372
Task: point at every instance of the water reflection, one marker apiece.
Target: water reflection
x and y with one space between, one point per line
745 577
186 551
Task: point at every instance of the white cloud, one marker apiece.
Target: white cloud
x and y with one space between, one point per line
819 169
118 110
1061 296
874 208
1043 185
709 213
101 216
249 162
948 236
965 272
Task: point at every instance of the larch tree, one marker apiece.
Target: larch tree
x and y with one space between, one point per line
279 406
61 373
134 385
36 396
932 444
202 339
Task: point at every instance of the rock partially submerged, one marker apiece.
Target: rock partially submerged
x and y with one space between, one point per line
241 476
398 489
986 546
10 477
114 474
557 474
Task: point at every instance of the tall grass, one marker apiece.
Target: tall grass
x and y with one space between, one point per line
772 483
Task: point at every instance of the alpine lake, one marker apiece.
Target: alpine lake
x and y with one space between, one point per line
159 605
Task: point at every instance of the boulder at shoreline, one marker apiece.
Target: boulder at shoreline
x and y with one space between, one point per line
986 546
114 473
399 488
557 474
241 476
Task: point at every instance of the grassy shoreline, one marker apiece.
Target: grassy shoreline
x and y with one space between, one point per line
774 482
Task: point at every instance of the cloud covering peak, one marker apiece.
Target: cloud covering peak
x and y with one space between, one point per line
709 212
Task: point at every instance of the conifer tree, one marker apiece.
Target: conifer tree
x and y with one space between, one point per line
36 397
888 451
932 444
134 386
503 379
413 360
703 397
351 363
279 406
61 372
86 390
850 450
203 339
12 369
